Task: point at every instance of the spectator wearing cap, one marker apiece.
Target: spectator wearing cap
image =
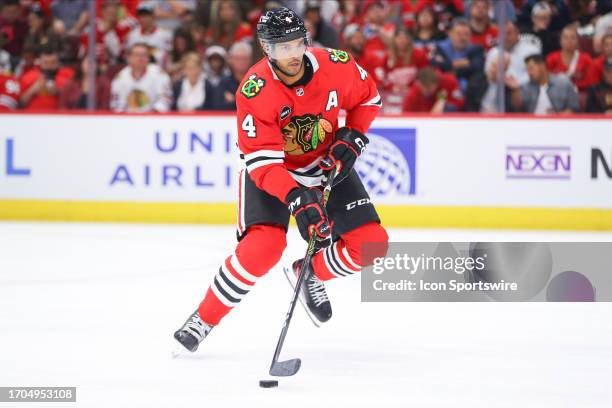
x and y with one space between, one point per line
72 15
215 64
399 70
458 55
518 49
603 26
426 32
539 31
434 92
41 86
141 86
570 61
354 42
192 92
606 56
482 91
545 93
323 31
228 27
74 95
560 14
484 33
599 97
158 39
13 28
239 59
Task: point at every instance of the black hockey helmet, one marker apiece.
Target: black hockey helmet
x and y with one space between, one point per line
281 25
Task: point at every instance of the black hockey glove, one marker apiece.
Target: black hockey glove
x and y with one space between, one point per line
306 206
344 152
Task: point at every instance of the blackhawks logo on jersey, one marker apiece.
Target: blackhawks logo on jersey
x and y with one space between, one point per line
305 133
338 56
252 86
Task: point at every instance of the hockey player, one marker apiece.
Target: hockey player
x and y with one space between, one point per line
287 117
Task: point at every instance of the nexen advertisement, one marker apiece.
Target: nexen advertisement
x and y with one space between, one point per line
424 161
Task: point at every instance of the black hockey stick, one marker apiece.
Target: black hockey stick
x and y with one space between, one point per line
290 367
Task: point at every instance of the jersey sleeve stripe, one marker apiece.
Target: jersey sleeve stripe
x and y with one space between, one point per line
376 101
265 153
263 162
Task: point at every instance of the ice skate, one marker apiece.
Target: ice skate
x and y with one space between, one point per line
193 332
312 294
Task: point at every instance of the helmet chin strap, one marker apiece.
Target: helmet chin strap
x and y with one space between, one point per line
275 65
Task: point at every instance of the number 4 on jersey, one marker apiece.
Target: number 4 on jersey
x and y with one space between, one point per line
248 125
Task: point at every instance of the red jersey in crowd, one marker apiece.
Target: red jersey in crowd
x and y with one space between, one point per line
45 100
283 131
486 39
448 89
398 76
580 72
9 93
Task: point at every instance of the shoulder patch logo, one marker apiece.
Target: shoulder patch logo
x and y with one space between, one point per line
252 86
285 112
338 56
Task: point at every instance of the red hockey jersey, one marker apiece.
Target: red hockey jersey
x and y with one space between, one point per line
283 131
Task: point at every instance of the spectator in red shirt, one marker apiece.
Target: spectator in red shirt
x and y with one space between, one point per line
111 31
74 94
483 32
9 93
408 11
376 32
399 70
599 62
12 26
40 86
570 61
434 92
228 26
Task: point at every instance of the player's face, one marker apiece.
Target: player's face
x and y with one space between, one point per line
289 55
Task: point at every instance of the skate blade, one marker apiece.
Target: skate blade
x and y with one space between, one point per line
291 278
178 351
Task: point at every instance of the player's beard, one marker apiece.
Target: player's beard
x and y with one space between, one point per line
276 66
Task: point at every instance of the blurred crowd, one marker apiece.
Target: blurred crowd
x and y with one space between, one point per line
425 55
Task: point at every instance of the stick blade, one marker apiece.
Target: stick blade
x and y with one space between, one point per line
285 368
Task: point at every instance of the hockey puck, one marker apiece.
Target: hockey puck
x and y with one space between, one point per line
268 383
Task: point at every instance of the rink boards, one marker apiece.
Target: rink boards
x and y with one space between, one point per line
451 171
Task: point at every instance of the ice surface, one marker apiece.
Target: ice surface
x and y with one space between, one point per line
95 305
